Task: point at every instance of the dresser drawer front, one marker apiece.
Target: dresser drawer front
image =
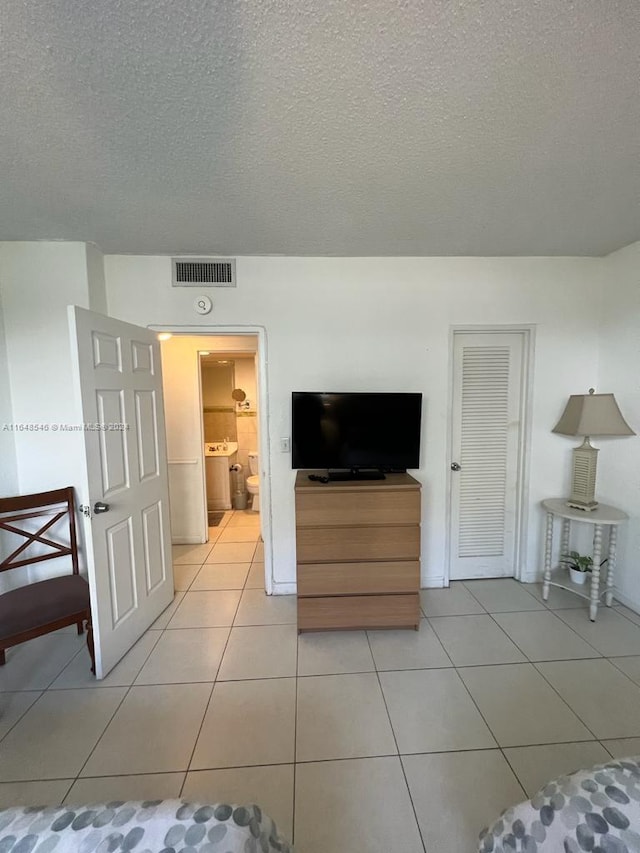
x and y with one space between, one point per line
358 578
359 611
340 544
332 508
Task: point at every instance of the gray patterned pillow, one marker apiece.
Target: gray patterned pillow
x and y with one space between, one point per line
169 826
594 810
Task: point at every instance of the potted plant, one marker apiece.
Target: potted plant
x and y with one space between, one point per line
578 565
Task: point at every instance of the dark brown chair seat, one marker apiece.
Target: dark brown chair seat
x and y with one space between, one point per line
46 603
39 608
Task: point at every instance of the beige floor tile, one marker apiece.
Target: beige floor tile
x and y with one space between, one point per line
342 716
520 707
541 635
232 552
154 731
630 667
453 601
146 786
165 617
475 640
537 765
50 793
245 517
78 672
35 664
623 747
221 576
185 655
628 613
503 595
192 554
259 555
611 634
334 652
183 575
603 697
264 651
206 609
238 533
269 787
57 734
431 711
257 608
248 723
358 805
455 795
559 599
408 649
13 706
255 579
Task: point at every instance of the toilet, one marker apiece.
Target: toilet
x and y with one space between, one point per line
253 481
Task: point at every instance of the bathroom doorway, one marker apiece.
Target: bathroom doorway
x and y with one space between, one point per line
230 426
215 422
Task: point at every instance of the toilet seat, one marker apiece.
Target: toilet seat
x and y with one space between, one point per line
253 480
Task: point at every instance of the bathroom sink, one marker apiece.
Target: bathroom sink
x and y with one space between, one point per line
220 448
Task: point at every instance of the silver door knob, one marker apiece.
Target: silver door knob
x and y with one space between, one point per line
99 507
455 466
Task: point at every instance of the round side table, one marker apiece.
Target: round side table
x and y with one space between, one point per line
603 516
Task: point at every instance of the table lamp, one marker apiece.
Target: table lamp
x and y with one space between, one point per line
587 415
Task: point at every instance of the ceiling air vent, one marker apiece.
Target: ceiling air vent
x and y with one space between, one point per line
196 272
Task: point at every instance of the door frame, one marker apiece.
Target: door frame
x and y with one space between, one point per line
527 333
263 424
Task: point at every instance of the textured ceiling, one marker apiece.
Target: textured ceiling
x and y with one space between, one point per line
322 127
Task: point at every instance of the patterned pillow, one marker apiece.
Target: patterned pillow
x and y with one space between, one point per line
590 810
143 827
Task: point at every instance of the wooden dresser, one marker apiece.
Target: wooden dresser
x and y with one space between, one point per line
358 553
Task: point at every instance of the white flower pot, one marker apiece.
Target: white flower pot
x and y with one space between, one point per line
578 577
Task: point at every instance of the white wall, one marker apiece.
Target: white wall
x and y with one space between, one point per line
382 324
619 459
8 469
37 283
183 415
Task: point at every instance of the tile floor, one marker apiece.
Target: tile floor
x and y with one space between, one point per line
375 741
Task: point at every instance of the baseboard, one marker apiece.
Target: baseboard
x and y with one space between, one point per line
631 603
432 583
187 540
284 589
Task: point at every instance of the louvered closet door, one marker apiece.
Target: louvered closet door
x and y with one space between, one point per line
487 404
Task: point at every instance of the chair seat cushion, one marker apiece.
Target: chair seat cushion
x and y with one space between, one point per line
38 604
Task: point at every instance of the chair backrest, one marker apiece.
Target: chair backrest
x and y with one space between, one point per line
53 506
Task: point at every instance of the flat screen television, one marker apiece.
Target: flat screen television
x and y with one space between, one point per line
356 432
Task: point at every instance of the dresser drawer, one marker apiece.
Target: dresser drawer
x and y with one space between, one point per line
359 611
358 578
332 508
343 544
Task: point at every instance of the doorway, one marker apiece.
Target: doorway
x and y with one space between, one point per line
488 438
195 414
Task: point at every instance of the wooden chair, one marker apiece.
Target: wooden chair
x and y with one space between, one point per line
39 608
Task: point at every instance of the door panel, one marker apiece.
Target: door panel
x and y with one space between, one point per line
486 442
128 549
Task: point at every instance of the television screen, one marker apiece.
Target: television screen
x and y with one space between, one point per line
355 431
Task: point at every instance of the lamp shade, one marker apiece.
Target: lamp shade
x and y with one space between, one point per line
592 414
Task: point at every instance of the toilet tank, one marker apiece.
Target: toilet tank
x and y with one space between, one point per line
253 462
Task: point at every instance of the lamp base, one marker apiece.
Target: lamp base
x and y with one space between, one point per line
583 477
585 507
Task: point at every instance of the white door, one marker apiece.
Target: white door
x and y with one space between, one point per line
486 441
128 547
